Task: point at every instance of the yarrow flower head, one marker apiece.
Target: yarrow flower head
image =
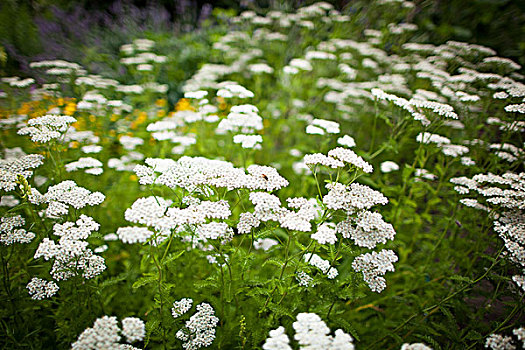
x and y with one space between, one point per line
47 128
40 289
200 328
310 333
181 307
68 193
11 231
11 169
374 265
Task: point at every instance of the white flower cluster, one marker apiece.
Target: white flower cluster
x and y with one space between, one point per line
214 230
304 279
181 307
248 141
325 234
388 166
374 265
126 162
505 194
322 126
336 159
93 166
264 243
46 128
192 173
499 342
415 346
366 229
11 168
129 143
10 231
149 211
242 118
311 333
347 141
72 255
278 340
267 207
68 193
9 201
133 234
231 89
40 289
200 328
105 334
352 198
133 329
323 265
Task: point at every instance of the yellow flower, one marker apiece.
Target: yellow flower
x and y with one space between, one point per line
184 105
133 177
70 108
160 102
143 116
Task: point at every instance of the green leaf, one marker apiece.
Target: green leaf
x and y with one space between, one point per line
142 281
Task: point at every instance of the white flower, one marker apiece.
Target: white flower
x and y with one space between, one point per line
134 234
264 243
388 166
103 335
200 328
133 329
10 231
347 141
181 307
40 289
46 128
325 234
248 141
374 265
278 340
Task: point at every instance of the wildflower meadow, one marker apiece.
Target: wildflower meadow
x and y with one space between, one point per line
281 177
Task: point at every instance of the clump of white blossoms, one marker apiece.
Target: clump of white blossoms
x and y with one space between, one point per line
389 166
499 342
133 329
322 126
12 168
68 194
248 141
323 265
47 128
374 265
134 234
504 196
415 346
71 255
311 332
199 330
337 158
191 173
105 334
91 165
181 307
40 289
11 231
347 141
242 118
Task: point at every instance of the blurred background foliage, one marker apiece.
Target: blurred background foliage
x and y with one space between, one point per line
91 31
